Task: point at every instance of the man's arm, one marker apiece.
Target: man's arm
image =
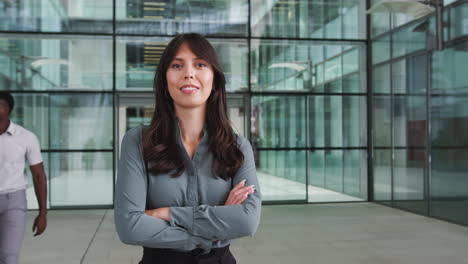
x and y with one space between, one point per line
40 188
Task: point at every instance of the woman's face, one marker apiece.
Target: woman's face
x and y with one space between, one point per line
189 79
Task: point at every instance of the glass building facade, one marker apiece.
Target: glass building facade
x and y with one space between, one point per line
339 106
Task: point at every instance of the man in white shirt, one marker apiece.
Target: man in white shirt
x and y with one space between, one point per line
18 146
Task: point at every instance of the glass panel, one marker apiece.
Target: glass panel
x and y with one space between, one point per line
381 78
459 20
282 175
408 180
354 121
308 19
81 121
81 178
32 112
166 17
449 70
316 121
407 40
279 121
355 173
410 121
52 63
30 193
449 121
381 116
289 65
410 75
316 170
352 84
383 176
334 170
333 121
56 16
138 58
381 49
380 22
449 184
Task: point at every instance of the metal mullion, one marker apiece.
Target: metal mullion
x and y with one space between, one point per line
114 97
370 99
428 175
392 109
249 71
307 145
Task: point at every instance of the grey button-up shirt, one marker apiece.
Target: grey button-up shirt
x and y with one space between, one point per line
199 218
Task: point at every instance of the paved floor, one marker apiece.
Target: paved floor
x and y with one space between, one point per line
320 233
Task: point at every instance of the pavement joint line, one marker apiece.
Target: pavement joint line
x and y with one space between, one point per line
94 236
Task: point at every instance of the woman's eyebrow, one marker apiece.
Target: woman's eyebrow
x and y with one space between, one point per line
183 59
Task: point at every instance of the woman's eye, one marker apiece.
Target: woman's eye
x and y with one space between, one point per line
176 66
201 65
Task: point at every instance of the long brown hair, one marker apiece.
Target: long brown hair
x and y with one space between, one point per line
159 138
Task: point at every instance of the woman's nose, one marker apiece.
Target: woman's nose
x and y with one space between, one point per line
188 74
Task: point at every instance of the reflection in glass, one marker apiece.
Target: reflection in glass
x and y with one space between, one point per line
449 70
407 40
409 75
382 175
459 13
68 63
449 184
381 49
355 173
308 19
381 78
32 112
137 59
81 178
337 175
381 120
449 121
288 65
408 179
56 16
165 17
380 22
278 121
410 121
334 170
354 121
282 175
81 121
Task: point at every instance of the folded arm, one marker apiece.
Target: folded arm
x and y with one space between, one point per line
132 224
228 221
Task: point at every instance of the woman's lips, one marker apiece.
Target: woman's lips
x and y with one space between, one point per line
188 89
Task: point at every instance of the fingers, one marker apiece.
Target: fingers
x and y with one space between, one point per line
39 226
240 195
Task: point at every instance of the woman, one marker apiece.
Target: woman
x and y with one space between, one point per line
187 183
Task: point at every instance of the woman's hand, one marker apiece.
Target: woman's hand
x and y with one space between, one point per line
161 213
239 193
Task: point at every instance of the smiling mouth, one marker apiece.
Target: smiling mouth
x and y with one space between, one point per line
189 88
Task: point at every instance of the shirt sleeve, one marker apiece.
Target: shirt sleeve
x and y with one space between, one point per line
33 151
133 226
225 222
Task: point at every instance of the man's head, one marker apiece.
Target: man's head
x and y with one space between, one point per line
6 104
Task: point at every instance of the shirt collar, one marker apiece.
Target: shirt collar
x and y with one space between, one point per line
11 128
